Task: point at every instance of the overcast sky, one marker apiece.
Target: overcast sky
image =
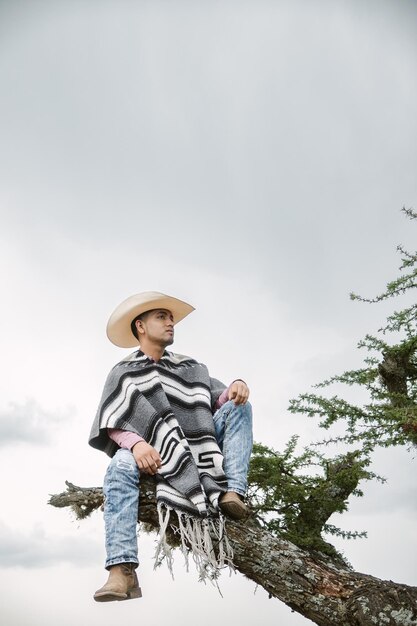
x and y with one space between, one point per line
251 158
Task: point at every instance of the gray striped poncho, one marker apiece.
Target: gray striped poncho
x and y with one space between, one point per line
170 404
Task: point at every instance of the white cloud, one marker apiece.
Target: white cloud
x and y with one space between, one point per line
29 423
40 548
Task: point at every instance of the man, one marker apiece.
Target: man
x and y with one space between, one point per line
162 414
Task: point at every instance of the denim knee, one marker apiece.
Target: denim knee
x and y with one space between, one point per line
241 409
246 409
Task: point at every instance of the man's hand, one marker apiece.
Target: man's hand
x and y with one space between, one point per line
239 392
147 458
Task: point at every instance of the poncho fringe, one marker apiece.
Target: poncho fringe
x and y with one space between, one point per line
205 539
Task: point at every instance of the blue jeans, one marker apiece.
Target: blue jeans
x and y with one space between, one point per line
121 506
233 428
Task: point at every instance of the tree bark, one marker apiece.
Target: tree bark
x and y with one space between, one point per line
316 586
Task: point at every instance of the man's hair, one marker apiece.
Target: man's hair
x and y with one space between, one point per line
142 317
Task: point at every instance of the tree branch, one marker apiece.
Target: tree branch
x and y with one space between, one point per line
324 591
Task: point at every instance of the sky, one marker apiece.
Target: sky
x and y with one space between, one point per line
251 158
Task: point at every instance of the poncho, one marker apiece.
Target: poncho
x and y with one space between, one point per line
170 404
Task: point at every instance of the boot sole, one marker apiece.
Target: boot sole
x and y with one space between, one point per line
118 597
234 510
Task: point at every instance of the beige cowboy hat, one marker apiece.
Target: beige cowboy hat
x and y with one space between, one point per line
118 327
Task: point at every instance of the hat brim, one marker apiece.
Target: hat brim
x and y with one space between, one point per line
119 325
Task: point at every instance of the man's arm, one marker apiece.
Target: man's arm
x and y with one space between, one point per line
147 458
124 438
238 391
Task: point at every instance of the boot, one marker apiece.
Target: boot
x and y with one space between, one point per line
232 505
122 584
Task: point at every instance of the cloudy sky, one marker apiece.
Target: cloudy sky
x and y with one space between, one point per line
251 158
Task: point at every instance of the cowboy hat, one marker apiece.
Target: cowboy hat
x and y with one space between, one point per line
118 327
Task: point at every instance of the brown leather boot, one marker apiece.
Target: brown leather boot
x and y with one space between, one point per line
232 505
122 584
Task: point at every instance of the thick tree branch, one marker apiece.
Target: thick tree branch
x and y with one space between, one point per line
330 496
324 591
396 369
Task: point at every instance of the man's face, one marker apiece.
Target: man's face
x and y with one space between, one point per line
158 327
